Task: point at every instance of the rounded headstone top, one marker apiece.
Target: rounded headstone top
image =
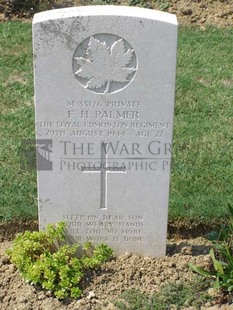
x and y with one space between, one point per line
105 10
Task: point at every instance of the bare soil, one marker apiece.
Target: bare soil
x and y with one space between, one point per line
199 12
105 285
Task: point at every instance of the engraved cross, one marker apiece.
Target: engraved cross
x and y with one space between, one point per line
103 170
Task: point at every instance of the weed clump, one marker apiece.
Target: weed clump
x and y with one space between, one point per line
222 257
43 260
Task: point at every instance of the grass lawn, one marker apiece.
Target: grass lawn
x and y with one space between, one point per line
18 187
202 172
202 169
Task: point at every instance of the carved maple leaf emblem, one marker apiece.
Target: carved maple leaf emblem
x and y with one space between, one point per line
104 64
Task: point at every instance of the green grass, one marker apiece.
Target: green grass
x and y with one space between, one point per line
18 186
202 170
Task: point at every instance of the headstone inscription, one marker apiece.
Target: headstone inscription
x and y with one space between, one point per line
104 92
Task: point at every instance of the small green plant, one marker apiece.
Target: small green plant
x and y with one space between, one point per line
43 259
134 299
179 295
140 3
135 2
164 5
222 259
99 2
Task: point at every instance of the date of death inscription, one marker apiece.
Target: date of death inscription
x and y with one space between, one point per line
103 119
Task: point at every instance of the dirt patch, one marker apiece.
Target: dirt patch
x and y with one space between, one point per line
200 12
8 230
102 287
106 284
203 12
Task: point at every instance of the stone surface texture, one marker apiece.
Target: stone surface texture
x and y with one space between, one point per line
104 94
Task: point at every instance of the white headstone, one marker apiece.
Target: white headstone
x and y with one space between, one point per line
104 93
